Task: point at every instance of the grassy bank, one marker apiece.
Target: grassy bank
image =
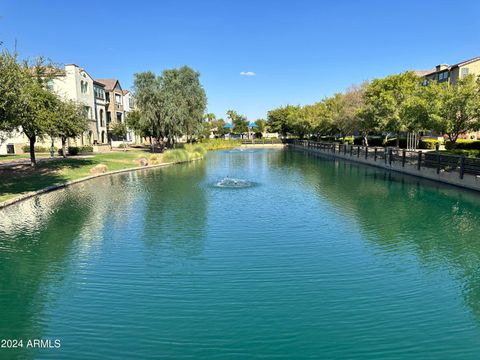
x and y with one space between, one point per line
20 179
218 144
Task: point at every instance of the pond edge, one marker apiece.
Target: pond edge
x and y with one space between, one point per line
48 189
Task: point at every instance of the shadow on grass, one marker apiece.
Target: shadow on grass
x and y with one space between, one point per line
23 178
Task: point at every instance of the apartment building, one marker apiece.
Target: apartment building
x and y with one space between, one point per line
128 106
100 111
114 101
77 85
104 101
452 73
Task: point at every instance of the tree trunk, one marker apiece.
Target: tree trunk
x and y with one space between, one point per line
64 147
52 150
365 139
32 139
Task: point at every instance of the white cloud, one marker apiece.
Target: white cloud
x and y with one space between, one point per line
247 73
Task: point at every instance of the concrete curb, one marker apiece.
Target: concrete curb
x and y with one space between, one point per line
31 194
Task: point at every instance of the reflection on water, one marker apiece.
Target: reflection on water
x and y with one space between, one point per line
329 259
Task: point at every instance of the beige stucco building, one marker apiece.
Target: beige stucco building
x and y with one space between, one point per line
452 73
100 101
77 85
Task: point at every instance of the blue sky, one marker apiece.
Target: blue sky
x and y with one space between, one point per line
300 51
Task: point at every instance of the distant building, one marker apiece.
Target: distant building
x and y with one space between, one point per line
114 101
452 73
77 85
100 111
128 106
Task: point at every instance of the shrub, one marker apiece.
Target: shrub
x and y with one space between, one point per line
153 160
38 149
463 145
85 149
429 144
216 144
73 150
467 153
175 155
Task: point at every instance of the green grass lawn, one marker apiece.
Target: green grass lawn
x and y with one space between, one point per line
22 156
21 179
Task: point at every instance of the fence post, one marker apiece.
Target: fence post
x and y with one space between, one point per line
358 151
344 149
462 166
366 152
351 150
438 163
404 157
375 155
390 155
385 153
419 160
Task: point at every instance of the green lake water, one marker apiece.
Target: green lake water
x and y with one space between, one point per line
313 259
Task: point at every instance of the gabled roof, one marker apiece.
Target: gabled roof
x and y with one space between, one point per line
125 92
462 63
477 58
110 84
423 72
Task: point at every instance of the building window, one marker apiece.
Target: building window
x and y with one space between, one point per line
119 117
101 118
131 103
99 93
50 85
118 99
83 87
464 72
107 97
109 117
443 76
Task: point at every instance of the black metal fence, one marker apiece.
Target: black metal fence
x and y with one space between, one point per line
400 157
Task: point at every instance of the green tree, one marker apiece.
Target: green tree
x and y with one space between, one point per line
454 109
139 124
260 127
148 120
119 131
11 92
183 102
195 102
239 122
345 108
386 97
282 119
66 119
35 101
210 117
220 126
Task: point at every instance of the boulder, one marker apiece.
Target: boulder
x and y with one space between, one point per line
142 162
99 169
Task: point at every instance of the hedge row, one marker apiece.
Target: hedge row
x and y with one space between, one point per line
75 150
463 145
38 149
